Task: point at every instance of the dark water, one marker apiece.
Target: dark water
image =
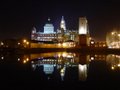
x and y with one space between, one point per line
60 70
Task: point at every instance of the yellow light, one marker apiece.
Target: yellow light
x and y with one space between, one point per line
27 43
62 70
104 45
64 54
113 33
64 45
119 35
59 44
90 38
118 65
27 59
24 40
24 61
112 68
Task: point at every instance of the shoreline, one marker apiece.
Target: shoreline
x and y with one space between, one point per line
86 50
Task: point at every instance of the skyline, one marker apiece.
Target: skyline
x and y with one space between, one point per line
18 17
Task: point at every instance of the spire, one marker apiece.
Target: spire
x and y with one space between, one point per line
62 23
33 30
62 18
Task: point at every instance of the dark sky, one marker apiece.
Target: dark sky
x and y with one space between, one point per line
17 17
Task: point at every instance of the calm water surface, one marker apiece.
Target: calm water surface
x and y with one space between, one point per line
60 70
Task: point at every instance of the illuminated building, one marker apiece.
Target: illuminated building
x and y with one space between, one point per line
62 34
113 39
83 32
47 35
63 24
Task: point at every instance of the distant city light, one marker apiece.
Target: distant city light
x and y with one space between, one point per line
112 68
27 59
92 42
24 40
18 59
92 58
24 61
18 43
2 43
2 57
27 43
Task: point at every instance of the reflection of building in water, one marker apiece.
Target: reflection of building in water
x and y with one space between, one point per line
113 61
48 69
62 73
83 58
65 63
82 66
98 57
60 61
82 70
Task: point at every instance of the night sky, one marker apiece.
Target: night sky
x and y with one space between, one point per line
17 17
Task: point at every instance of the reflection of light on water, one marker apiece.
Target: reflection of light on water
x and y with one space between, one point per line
62 73
82 72
112 68
18 59
118 65
64 54
114 61
27 59
92 58
48 69
2 57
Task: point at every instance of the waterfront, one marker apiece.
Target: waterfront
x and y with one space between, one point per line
60 69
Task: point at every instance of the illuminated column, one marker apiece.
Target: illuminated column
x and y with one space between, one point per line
83 25
83 32
62 24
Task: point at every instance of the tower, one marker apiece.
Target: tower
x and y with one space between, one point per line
62 24
83 26
62 30
83 32
33 34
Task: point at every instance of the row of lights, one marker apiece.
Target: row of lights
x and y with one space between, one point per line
25 42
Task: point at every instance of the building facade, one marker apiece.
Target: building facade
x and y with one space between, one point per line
47 35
